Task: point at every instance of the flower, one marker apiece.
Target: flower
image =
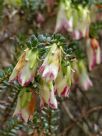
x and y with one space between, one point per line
84 80
80 75
81 22
25 104
61 85
93 52
49 68
63 82
64 21
25 69
74 20
47 94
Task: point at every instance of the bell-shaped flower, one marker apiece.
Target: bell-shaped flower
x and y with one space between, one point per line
25 69
80 74
25 104
18 67
50 67
81 22
64 19
47 94
84 80
63 82
93 52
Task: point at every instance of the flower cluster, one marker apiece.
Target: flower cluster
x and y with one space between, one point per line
74 20
56 73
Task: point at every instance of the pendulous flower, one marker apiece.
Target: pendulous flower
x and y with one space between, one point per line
25 104
73 20
64 20
50 67
81 22
84 80
80 75
47 94
25 69
63 82
93 52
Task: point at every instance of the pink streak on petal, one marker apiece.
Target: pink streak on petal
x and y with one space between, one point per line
65 91
94 60
51 76
41 69
55 92
51 105
26 82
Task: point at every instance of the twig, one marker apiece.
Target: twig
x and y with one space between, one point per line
74 120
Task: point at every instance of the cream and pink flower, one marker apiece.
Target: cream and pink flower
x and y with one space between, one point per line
25 105
81 22
50 67
80 75
84 80
25 69
63 21
63 82
93 52
73 20
47 94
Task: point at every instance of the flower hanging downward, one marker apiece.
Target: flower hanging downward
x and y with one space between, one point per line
80 75
49 68
93 53
25 104
84 80
25 69
47 94
64 19
63 82
81 22
73 20
58 70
